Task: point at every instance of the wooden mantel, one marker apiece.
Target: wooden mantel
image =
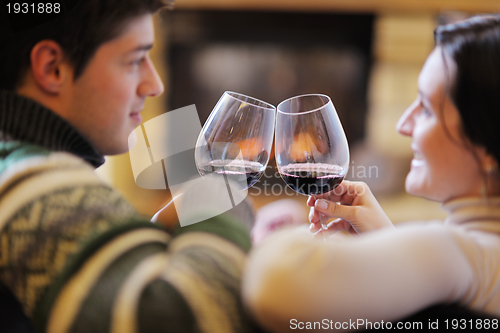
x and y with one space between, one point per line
373 6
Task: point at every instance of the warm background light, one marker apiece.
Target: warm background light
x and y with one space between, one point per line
402 38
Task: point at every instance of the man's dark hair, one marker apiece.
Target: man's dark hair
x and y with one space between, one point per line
80 32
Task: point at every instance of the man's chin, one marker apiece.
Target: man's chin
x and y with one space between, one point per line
111 150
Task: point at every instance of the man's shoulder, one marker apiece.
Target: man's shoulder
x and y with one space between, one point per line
30 175
14 152
19 157
21 163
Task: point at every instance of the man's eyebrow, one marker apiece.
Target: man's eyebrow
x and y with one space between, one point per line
146 47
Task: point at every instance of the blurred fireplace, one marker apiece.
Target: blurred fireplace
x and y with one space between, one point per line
271 56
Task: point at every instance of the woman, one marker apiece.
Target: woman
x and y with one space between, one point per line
388 273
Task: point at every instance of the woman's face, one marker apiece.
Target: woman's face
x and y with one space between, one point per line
443 166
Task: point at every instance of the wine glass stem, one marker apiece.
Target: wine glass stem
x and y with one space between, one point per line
323 220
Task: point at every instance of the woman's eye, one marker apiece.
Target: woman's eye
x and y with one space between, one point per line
424 111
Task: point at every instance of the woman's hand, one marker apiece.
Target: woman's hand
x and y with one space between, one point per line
354 206
277 215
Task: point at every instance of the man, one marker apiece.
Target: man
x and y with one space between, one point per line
73 254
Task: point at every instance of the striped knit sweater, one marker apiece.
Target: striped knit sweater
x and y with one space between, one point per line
78 258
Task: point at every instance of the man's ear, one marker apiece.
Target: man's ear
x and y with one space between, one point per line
47 65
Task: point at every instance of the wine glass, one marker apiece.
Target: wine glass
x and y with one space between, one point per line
311 149
236 140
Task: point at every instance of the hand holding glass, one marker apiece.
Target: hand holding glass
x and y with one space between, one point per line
312 153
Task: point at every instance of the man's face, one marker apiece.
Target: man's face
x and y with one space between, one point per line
106 100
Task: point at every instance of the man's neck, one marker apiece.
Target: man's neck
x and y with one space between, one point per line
26 120
31 90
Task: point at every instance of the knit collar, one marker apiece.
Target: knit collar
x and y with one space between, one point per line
476 213
22 119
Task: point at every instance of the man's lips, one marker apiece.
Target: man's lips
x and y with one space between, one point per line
136 116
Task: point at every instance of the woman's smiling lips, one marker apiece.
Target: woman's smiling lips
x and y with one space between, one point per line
418 158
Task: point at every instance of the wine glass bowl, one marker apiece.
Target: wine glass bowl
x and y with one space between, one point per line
236 139
312 153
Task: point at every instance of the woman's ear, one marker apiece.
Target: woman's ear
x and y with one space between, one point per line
488 162
489 166
47 66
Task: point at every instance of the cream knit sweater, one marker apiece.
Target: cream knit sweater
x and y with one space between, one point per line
293 279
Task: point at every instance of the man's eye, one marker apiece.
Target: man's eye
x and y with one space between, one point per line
138 61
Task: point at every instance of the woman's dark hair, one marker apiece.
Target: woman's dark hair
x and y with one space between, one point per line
79 31
474 45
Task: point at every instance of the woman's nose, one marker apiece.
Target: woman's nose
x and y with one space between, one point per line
406 122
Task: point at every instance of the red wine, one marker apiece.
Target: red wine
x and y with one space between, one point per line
312 178
244 172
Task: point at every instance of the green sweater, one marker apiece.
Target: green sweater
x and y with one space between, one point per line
78 258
